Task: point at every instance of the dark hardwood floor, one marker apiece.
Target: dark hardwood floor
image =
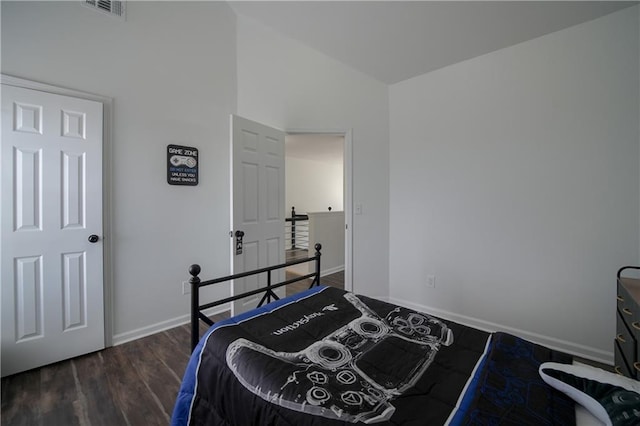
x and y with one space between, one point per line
135 383
131 384
295 254
333 280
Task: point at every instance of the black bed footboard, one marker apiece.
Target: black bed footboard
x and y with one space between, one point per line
197 284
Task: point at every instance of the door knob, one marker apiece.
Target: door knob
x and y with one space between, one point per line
93 238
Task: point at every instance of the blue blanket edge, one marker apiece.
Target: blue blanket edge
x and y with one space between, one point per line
469 393
182 407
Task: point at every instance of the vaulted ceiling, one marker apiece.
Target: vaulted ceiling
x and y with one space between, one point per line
393 41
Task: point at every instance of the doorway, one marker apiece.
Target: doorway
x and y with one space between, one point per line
318 200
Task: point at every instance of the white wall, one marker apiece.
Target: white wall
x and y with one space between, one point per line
171 70
327 228
287 85
313 186
514 180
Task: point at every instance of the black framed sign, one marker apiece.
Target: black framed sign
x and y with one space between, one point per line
182 165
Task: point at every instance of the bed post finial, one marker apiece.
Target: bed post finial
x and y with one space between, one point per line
318 247
194 270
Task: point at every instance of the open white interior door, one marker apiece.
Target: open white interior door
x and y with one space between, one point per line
257 205
51 228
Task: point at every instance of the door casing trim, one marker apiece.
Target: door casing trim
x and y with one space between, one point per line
107 131
348 194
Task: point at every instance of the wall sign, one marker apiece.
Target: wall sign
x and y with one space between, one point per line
182 165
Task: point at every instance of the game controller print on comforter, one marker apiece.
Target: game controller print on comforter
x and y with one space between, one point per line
328 357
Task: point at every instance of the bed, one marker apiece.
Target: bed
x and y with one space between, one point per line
326 356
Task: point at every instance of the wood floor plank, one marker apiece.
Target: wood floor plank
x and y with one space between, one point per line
58 395
138 408
182 335
182 338
99 400
154 375
20 399
332 280
162 346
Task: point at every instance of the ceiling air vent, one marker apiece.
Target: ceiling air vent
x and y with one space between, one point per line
112 7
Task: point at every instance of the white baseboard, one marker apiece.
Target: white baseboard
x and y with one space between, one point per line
605 357
330 271
139 333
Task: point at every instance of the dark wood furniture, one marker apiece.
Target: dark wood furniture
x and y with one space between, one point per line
627 341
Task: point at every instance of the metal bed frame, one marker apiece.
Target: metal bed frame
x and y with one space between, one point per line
197 284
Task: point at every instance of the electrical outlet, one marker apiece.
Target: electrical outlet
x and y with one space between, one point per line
431 281
186 287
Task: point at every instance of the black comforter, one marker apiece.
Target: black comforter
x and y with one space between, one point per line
328 357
